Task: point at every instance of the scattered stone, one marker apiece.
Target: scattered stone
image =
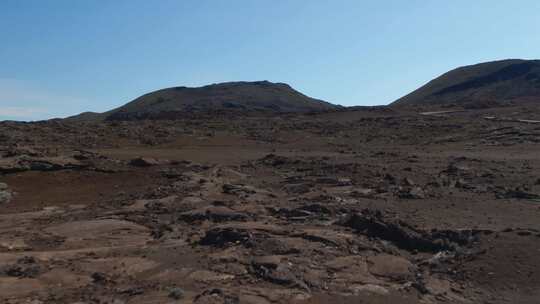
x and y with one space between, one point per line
369 288
244 234
144 162
390 179
518 194
327 237
407 182
160 230
5 197
215 296
26 267
27 163
132 291
316 208
302 213
278 246
274 160
213 213
524 233
15 245
334 181
463 184
225 236
271 268
440 258
99 278
177 293
363 193
291 213
238 189
455 168
205 276
412 193
297 188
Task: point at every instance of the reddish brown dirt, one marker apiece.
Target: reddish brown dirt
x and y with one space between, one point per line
367 206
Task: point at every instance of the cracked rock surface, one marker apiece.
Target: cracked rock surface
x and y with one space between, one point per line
359 206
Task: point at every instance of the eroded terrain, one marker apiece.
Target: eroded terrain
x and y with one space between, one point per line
366 206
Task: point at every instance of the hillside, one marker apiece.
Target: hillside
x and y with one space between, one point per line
481 85
231 96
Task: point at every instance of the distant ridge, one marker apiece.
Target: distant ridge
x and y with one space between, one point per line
481 85
258 96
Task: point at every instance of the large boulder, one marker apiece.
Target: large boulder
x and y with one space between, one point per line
375 224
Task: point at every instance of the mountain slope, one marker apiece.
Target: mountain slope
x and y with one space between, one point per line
483 84
230 96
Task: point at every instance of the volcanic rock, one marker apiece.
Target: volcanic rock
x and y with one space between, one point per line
483 85
5 194
375 224
213 213
244 97
144 162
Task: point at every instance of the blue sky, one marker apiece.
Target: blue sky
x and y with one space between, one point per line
62 57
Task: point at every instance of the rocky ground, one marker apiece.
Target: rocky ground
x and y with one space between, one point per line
363 206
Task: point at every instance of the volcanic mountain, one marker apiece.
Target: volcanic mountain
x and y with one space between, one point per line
481 85
259 96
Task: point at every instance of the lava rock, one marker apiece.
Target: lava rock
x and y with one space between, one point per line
144 162
412 193
237 189
213 213
518 194
216 295
26 267
5 197
376 224
176 293
274 270
222 237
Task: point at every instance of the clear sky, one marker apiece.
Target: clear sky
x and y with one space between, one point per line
62 57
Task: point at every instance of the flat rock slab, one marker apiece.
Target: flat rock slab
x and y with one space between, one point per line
390 266
11 287
25 163
213 213
106 232
89 229
350 270
205 276
119 266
